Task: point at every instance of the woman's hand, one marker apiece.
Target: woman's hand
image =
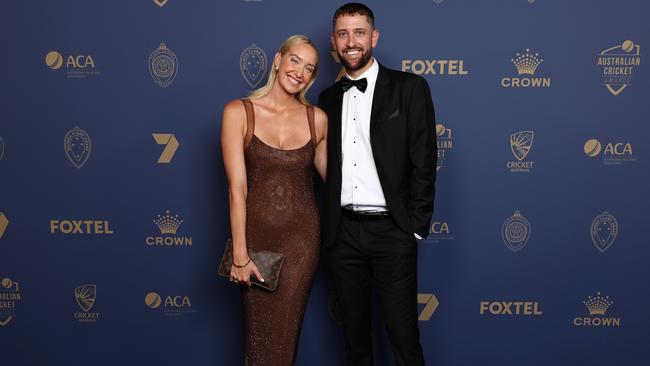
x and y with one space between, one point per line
242 275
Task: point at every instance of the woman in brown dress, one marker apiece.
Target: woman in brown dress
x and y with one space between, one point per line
272 142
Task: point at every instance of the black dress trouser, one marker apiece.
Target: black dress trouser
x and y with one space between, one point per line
374 254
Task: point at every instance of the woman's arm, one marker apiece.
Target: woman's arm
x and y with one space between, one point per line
233 132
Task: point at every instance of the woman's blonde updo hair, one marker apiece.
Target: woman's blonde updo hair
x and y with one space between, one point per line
284 48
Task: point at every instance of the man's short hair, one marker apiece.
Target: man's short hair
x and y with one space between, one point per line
354 9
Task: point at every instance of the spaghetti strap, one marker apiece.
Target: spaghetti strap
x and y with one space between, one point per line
250 121
312 128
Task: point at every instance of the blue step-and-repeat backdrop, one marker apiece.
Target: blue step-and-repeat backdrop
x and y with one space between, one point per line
113 197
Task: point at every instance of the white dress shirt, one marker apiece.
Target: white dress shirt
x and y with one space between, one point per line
360 185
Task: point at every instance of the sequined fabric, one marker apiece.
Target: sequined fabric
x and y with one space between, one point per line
281 216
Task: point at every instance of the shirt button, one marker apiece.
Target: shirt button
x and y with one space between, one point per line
355 187
354 142
355 164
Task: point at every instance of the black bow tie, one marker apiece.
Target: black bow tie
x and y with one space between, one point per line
346 84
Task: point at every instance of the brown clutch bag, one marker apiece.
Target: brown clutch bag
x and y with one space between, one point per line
268 263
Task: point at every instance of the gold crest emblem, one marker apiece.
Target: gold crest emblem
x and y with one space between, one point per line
86 295
521 143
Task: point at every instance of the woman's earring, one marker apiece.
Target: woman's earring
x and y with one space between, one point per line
276 67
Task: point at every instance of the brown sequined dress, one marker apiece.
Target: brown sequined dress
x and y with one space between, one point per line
281 216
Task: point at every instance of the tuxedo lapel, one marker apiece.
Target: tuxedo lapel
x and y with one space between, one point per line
336 123
379 98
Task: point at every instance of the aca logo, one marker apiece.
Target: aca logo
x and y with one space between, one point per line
172 305
597 307
4 222
10 296
77 146
80 227
617 64
520 144
160 3
252 64
439 232
77 66
435 67
613 153
515 232
604 230
171 145
163 65
510 308
168 225
2 147
86 296
444 142
430 302
526 64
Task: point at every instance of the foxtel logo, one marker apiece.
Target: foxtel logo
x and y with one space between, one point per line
510 308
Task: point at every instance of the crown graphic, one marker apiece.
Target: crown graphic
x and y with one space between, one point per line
598 305
167 223
527 63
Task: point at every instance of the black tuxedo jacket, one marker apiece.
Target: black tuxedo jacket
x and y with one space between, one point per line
402 136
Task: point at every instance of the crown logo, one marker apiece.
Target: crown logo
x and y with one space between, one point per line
167 223
598 305
526 63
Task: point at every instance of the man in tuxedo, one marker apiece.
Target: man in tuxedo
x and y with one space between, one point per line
381 168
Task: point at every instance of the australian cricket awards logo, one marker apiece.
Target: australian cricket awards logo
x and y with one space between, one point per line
444 143
526 64
4 222
168 225
617 64
613 152
597 307
86 296
440 231
163 66
77 66
2 147
252 63
10 296
520 144
515 232
604 230
160 3
77 146
171 305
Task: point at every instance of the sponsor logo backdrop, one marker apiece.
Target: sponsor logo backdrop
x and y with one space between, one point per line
113 197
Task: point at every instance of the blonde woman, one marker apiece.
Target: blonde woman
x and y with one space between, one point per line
272 142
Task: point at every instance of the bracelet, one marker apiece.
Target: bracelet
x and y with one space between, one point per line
243 265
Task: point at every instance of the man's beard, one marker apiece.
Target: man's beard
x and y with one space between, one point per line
363 61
